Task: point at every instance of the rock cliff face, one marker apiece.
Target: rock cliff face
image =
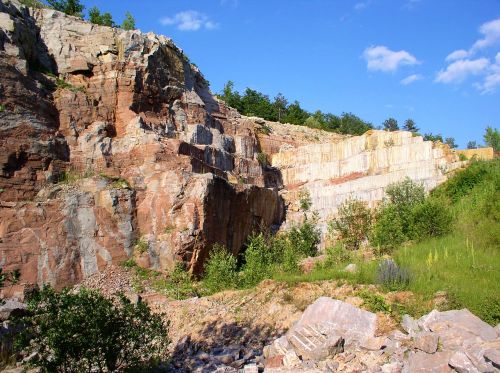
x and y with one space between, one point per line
110 137
143 150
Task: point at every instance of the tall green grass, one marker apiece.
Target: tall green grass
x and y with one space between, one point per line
466 262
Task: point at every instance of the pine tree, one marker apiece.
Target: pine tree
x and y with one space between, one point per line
410 126
129 22
391 124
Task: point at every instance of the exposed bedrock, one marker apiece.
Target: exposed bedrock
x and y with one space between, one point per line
147 153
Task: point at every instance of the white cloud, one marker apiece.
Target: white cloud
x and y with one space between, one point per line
361 5
491 32
411 79
383 59
491 82
410 4
457 55
189 20
459 70
492 79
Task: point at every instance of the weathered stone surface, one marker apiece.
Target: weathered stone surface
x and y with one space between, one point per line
461 363
459 320
360 167
351 268
307 264
374 343
10 308
422 362
409 324
291 360
316 342
426 341
350 322
493 355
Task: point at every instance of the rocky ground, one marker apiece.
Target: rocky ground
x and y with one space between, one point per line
313 327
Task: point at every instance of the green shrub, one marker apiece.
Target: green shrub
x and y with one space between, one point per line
84 331
290 259
304 238
338 254
63 84
104 19
129 22
258 261
178 285
141 245
387 231
262 158
490 310
33 4
352 224
464 181
305 200
11 277
462 157
404 195
129 263
431 218
220 270
374 302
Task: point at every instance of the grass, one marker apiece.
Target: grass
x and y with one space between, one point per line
364 275
62 84
466 262
72 176
141 245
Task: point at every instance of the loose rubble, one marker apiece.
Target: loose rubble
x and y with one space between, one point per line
446 341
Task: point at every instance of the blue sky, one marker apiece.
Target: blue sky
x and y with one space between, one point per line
435 61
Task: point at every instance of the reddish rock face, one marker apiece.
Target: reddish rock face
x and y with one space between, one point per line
146 152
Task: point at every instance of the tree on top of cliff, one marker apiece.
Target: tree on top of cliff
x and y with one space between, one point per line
70 7
472 145
432 137
104 19
254 103
295 114
450 141
410 126
492 138
391 124
129 22
280 103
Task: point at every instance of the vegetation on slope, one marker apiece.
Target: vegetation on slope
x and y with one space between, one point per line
465 263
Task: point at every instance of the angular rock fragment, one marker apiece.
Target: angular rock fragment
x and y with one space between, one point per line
421 362
316 342
461 363
426 341
348 321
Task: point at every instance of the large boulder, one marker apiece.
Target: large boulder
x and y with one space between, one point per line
335 316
